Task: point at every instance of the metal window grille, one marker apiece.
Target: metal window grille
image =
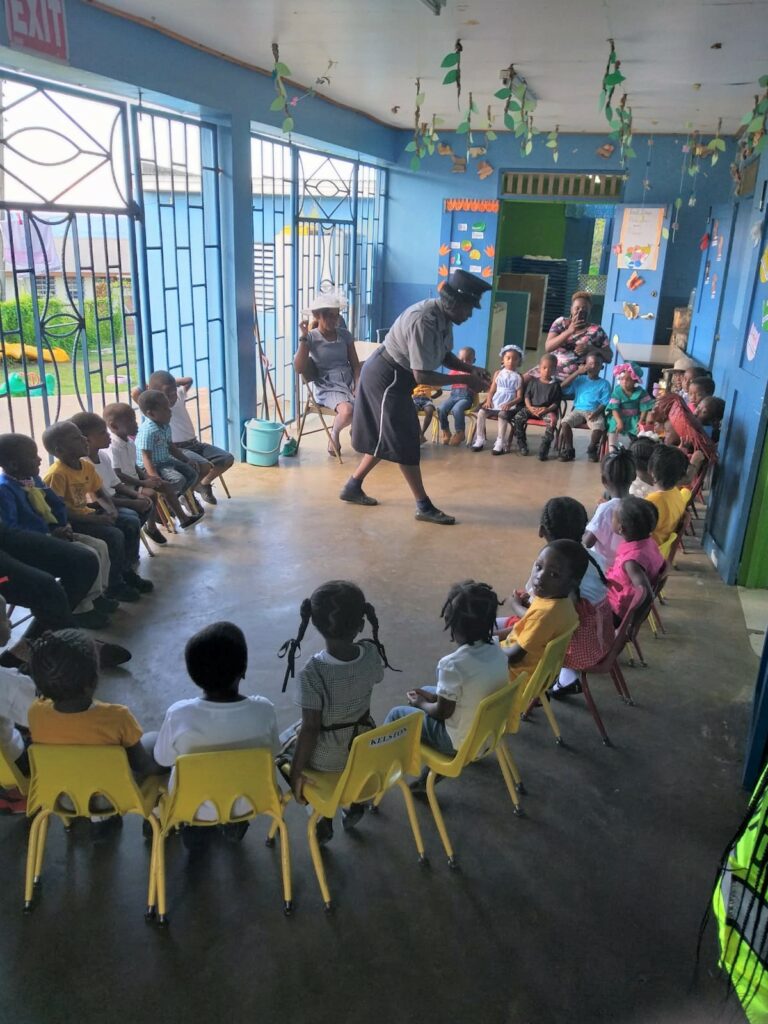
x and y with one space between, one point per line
178 175
264 275
550 185
325 218
67 213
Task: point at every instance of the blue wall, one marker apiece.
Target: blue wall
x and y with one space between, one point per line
415 204
120 56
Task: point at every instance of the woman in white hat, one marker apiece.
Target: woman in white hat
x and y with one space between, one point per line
326 357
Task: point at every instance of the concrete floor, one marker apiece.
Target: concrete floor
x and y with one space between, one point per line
585 910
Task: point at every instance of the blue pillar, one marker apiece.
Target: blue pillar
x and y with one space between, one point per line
237 258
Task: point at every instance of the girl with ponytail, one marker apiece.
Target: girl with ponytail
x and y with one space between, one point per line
334 687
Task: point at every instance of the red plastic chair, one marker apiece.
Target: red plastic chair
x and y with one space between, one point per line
609 664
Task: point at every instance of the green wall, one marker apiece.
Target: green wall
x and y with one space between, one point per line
753 568
532 229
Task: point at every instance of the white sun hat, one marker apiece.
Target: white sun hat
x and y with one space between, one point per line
327 300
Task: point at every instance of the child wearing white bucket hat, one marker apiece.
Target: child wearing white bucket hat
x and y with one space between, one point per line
505 397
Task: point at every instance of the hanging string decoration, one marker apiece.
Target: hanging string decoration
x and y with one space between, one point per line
452 61
418 145
465 128
280 102
552 143
490 134
519 105
716 146
612 78
755 124
621 125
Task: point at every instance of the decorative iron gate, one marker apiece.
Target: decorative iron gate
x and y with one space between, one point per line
318 225
96 289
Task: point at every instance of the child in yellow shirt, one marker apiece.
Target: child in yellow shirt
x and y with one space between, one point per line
424 396
557 573
668 467
64 667
75 479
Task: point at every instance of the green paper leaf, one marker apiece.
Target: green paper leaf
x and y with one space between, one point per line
278 103
415 162
519 129
665 232
502 94
420 97
718 144
678 202
602 101
762 106
509 122
473 107
528 148
422 151
552 144
763 81
491 135
430 147
755 124
715 158
411 147
746 119
451 77
437 121
761 144
552 136
615 78
555 156
288 124
463 128
282 70
629 153
450 60
513 106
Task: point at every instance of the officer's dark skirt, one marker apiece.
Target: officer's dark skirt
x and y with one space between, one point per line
385 422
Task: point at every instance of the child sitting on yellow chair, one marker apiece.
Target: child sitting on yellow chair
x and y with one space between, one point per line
424 396
465 677
334 688
557 572
221 719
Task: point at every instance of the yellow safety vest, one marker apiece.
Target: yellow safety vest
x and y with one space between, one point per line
739 909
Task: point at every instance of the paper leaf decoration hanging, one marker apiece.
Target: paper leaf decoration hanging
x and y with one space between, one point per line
452 61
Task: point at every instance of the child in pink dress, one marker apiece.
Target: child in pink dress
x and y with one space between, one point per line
634 520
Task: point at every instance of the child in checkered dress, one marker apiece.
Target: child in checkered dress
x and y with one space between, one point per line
334 687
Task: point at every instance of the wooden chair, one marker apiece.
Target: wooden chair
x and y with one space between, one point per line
312 406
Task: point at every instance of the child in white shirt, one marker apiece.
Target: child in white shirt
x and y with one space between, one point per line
222 719
465 677
618 473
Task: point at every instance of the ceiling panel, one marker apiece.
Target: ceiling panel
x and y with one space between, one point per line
673 76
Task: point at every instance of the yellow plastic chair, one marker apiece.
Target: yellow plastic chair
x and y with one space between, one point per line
535 688
221 777
484 738
82 773
10 775
378 761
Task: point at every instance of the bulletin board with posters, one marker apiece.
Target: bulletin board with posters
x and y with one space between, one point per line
640 237
468 242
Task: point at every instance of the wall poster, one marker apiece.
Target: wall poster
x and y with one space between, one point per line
640 237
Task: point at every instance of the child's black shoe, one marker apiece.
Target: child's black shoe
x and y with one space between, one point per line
351 817
138 583
324 830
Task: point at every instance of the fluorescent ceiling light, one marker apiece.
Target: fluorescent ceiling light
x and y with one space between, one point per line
435 5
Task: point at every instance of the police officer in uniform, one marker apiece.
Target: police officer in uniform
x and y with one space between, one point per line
385 424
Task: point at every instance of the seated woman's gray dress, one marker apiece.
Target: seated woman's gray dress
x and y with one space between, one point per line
335 380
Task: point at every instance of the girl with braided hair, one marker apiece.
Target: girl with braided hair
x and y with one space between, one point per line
334 688
618 473
465 677
566 519
682 427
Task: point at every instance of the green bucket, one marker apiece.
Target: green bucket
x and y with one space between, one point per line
261 440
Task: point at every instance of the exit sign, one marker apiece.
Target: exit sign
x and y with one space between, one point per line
38 26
